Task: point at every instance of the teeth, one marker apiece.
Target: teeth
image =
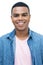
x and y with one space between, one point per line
20 23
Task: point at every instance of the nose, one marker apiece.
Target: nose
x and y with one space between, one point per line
20 17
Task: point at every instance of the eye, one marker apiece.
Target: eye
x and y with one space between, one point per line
15 15
25 14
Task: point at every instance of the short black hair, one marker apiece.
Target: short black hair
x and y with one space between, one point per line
20 4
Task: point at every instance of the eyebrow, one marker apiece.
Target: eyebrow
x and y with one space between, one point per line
24 13
21 13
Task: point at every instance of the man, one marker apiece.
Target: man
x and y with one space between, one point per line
22 46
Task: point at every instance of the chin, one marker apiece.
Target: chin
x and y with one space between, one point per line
20 29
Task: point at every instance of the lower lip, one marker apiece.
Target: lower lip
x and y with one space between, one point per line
20 23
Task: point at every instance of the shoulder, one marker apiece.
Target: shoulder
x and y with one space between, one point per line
36 35
3 39
10 34
37 39
5 36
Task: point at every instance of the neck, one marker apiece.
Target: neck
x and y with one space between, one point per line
22 34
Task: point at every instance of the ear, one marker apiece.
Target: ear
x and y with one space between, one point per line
29 17
11 17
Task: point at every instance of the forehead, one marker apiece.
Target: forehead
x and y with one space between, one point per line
20 10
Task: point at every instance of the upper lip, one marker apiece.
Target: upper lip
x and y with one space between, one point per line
20 22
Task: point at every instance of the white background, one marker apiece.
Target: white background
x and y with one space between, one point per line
36 22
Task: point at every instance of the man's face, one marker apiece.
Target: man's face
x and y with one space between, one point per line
20 18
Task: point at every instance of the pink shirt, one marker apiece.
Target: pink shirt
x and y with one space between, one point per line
22 54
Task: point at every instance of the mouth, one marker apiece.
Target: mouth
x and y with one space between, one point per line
20 23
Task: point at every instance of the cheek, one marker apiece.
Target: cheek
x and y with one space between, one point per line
28 19
13 20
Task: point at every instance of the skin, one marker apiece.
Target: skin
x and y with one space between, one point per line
21 18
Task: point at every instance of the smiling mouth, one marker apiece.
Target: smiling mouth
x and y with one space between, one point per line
20 22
